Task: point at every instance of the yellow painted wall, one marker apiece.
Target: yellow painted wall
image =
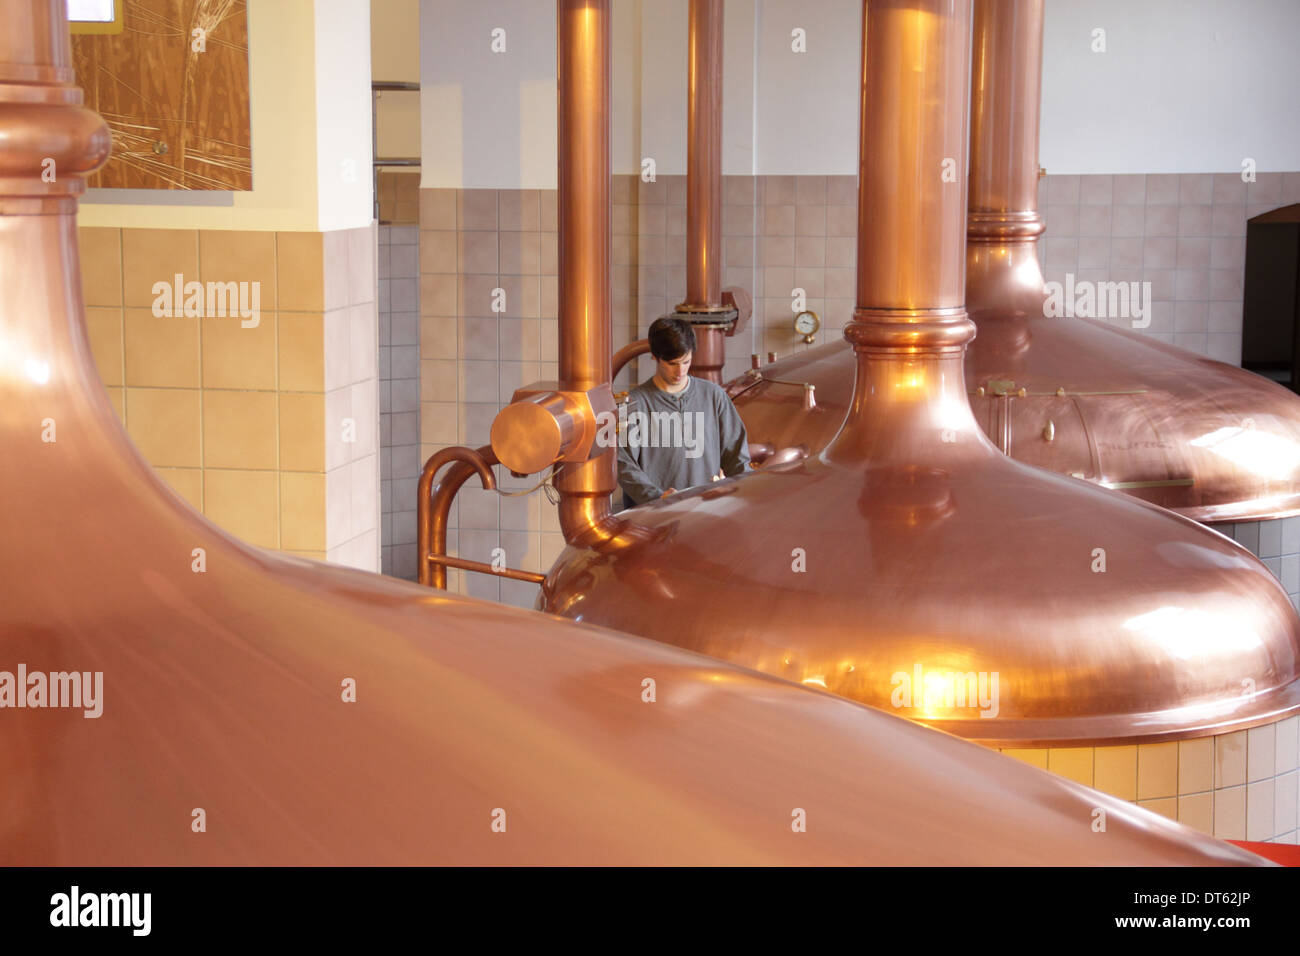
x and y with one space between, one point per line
282 84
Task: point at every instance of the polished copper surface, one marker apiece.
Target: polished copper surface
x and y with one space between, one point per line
225 736
911 546
716 313
433 504
522 438
626 354
1073 395
704 158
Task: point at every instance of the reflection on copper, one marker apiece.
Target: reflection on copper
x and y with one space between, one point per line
715 313
1206 439
222 683
911 545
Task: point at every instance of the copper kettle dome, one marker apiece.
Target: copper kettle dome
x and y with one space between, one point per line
911 551
1076 396
221 685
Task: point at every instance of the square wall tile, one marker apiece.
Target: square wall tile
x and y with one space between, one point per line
302 511
1033 757
1285 757
1230 759
300 271
1157 774
302 432
165 425
1073 763
152 256
161 352
186 482
1285 808
239 357
1197 811
238 256
101 265
1261 743
1230 813
1259 810
245 503
239 430
301 351
437 208
1167 807
1195 765
104 329
1115 771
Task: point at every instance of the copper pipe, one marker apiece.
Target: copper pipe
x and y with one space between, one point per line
704 159
433 504
585 240
626 354
911 227
1002 271
911 245
442 560
710 351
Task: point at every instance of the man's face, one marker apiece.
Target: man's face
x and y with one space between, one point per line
674 371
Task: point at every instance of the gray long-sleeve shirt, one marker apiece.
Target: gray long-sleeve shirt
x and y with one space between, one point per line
678 440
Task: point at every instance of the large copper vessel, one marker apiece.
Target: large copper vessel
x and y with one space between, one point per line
260 709
1074 395
911 552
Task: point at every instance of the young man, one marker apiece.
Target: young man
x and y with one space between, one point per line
680 431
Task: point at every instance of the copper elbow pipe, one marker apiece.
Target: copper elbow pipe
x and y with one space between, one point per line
585 239
434 503
704 159
626 354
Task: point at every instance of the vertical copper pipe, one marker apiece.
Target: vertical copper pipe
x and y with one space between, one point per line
1002 270
911 168
910 328
704 305
585 238
704 158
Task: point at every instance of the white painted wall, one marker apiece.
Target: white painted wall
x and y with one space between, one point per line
1185 86
344 150
488 119
807 103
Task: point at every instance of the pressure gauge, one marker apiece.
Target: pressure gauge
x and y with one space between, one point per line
807 324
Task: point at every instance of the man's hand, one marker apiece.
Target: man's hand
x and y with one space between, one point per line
670 491
719 476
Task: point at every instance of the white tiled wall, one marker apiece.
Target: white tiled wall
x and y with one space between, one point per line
399 394
1277 544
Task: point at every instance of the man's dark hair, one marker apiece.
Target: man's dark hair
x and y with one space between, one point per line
671 338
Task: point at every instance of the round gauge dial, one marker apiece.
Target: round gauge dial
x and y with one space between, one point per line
807 324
